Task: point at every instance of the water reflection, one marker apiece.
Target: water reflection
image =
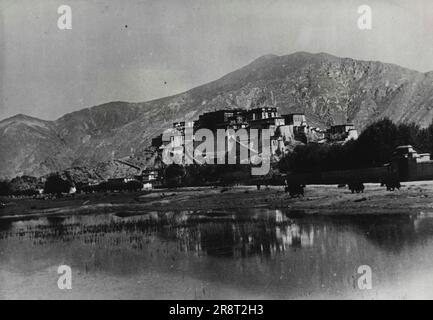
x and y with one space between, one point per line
271 252
219 233
213 233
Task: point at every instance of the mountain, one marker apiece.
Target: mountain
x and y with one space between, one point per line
329 89
30 145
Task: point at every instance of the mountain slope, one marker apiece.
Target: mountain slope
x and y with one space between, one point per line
327 88
30 145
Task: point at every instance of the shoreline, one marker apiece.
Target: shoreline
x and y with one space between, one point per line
412 198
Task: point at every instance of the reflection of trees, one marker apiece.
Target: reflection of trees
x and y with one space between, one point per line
57 224
5 225
227 234
390 232
245 237
234 239
242 236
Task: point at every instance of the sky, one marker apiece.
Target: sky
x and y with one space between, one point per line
138 50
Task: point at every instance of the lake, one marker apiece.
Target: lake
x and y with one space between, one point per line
245 254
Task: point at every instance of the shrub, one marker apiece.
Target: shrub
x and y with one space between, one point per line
56 185
5 188
173 175
134 185
374 147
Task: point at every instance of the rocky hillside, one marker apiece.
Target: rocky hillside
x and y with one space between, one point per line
327 88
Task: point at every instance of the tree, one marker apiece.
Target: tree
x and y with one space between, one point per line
307 158
374 147
56 185
377 143
25 185
174 174
5 188
408 134
425 139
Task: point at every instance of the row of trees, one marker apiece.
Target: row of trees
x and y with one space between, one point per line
374 147
23 185
28 186
55 184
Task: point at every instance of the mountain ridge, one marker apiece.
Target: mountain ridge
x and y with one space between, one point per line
327 88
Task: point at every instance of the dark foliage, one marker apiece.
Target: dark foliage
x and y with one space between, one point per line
207 174
174 175
374 147
56 185
25 185
26 192
5 188
134 185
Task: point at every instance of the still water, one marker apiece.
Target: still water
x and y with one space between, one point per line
251 254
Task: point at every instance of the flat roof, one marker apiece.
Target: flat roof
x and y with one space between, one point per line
265 119
261 108
221 111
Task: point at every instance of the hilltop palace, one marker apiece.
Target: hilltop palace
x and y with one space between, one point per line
284 132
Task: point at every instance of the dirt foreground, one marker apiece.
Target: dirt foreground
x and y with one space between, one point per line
412 198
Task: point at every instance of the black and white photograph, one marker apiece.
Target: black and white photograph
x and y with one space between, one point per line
216 150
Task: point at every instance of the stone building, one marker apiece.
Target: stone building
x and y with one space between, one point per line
285 131
341 133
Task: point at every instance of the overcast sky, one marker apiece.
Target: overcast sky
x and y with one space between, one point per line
137 50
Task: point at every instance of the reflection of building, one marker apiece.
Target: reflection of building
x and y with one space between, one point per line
295 236
270 233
